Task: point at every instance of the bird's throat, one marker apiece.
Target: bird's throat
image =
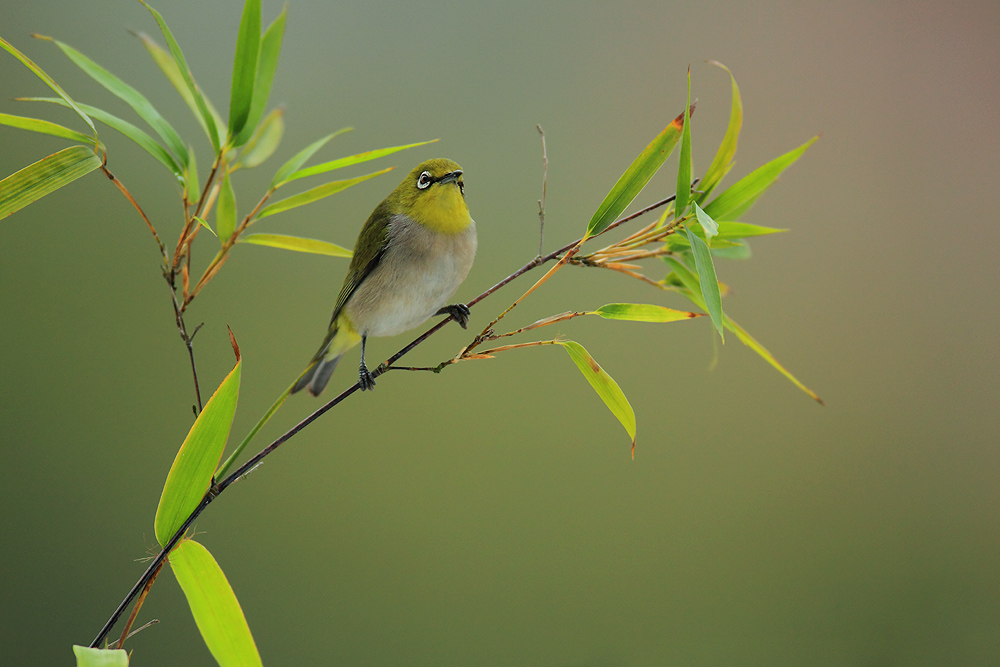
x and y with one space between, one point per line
442 210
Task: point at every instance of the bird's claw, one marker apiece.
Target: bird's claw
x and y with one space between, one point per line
365 378
459 311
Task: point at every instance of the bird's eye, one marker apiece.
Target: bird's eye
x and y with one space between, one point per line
424 180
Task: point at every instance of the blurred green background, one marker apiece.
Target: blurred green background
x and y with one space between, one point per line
492 515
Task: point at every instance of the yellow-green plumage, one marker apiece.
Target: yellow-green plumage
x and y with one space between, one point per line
413 252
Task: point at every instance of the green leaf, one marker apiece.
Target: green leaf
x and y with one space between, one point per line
191 180
709 281
741 230
352 160
166 63
684 166
214 606
97 657
225 210
708 226
299 159
692 290
297 243
642 312
129 95
43 127
267 65
244 67
44 177
741 195
637 175
191 473
50 83
145 141
723 160
604 385
204 223
740 250
182 67
265 140
315 194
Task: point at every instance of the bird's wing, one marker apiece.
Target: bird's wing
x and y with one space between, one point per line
368 251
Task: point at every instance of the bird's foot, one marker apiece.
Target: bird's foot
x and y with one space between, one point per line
365 378
459 311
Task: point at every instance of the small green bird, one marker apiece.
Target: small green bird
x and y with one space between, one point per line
413 252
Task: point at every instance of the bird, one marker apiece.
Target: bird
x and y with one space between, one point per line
413 252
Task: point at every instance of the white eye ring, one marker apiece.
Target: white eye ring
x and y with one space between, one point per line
424 180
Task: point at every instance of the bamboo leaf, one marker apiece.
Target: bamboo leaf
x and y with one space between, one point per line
315 194
741 195
267 65
97 657
265 140
204 223
723 160
192 186
225 210
244 67
637 175
129 95
709 281
297 243
604 385
44 177
299 159
352 160
741 230
214 606
191 473
739 250
44 127
684 166
145 141
708 226
185 72
50 82
642 312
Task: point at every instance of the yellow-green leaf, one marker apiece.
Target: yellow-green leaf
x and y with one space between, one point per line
44 177
684 166
191 473
191 184
43 127
214 606
708 280
741 195
741 230
267 65
340 163
204 223
708 226
225 210
99 657
642 312
297 243
604 385
315 194
244 67
265 140
299 159
727 149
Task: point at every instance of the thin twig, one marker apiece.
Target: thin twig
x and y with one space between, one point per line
541 202
128 195
135 610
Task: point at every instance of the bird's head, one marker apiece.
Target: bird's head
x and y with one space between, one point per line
434 196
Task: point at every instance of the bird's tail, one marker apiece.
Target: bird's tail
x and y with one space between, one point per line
339 340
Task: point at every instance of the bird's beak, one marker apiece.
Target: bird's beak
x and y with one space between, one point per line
451 176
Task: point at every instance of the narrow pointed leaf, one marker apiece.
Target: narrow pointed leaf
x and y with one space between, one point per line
708 226
204 223
43 127
723 160
185 72
315 194
299 159
147 143
267 65
214 606
741 195
604 385
709 281
684 166
225 210
50 82
741 230
191 473
352 160
637 175
244 67
737 250
264 142
45 176
297 243
191 184
642 312
130 96
98 657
